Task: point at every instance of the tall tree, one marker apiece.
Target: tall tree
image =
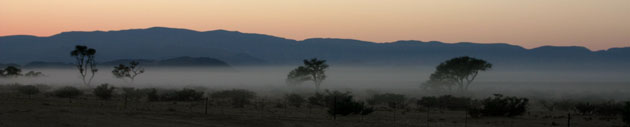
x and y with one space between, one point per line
460 72
312 70
123 71
85 62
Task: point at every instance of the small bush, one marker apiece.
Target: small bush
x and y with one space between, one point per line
132 93
608 108
104 91
294 100
626 113
238 97
181 95
585 108
502 106
152 94
340 103
394 101
68 92
28 90
446 102
317 100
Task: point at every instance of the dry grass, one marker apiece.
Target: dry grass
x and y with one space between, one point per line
88 111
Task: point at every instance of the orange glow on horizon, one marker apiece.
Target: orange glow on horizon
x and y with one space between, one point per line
529 23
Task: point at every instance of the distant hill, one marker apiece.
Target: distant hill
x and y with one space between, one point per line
243 49
183 61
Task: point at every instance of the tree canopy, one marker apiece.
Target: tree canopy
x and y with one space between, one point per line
312 70
85 62
459 72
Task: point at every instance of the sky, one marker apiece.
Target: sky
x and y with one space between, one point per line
595 24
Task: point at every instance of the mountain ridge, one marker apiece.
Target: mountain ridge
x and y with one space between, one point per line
237 48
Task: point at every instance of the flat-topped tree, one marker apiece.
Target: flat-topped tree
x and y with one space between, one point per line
460 72
123 71
312 70
11 71
85 63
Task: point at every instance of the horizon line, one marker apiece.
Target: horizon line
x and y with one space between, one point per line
145 28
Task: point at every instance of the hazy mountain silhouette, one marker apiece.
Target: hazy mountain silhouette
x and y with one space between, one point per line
177 61
237 48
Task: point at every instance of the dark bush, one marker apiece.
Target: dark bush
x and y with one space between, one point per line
182 95
317 100
294 100
428 101
67 92
343 104
394 101
446 102
502 106
132 93
608 108
585 108
238 97
28 90
626 113
104 91
152 94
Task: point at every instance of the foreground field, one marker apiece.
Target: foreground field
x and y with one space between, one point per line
87 111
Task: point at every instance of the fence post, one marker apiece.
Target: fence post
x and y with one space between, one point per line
569 120
466 118
334 107
206 111
428 115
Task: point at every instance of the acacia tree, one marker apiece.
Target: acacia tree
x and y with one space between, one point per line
84 57
312 70
10 71
123 71
459 72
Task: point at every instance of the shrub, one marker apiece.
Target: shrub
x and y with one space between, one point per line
392 100
68 92
238 97
608 108
502 106
152 94
182 95
446 102
104 91
342 103
585 108
28 90
626 113
317 100
294 100
132 93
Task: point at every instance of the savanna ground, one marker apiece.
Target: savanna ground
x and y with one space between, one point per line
43 110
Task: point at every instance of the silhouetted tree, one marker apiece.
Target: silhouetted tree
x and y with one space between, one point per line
85 62
33 74
28 90
123 71
104 91
11 71
313 70
460 71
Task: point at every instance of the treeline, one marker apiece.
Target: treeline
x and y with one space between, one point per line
336 103
15 71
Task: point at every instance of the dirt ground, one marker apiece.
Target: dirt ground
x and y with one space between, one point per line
42 111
